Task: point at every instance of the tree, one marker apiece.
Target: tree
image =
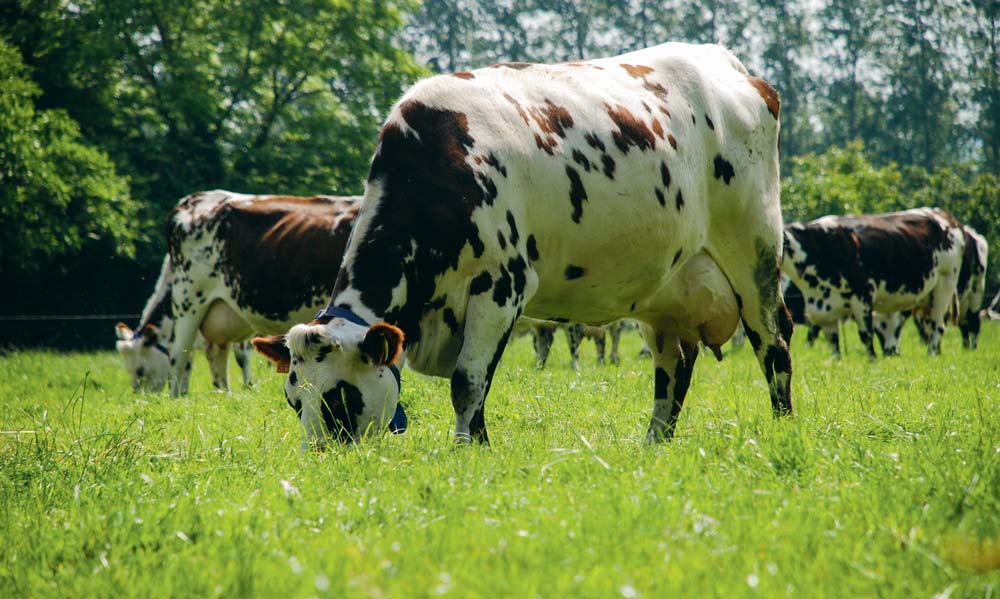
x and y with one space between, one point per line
985 73
57 195
921 106
847 105
840 181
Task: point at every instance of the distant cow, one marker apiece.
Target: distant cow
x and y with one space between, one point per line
642 186
847 266
146 357
543 334
971 289
237 264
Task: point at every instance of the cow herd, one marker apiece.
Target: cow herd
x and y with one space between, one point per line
530 197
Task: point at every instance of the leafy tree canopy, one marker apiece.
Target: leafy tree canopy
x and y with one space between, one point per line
56 193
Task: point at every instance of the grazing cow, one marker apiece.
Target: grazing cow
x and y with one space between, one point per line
847 266
543 334
642 186
147 359
971 288
237 264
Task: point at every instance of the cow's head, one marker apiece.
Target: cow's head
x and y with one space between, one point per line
341 380
145 358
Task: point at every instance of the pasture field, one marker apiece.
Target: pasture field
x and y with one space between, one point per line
886 482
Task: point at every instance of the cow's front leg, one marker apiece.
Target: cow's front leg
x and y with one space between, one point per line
861 310
487 330
887 329
242 352
574 335
832 334
673 362
185 330
218 363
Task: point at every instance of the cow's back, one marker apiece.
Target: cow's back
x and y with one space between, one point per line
267 256
606 175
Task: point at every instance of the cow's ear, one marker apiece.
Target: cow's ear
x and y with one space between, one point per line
275 350
150 335
122 331
382 344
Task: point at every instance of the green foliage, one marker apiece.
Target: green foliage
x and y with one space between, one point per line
885 483
844 181
56 193
972 198
840 181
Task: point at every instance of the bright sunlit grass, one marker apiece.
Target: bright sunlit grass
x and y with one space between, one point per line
886 482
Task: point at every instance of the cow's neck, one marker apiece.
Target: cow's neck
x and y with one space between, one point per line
347 296
159 310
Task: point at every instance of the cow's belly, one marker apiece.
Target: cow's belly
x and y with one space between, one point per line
223 325
826 307
692 299
887 301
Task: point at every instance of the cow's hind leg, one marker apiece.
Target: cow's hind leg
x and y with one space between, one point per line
242 352
765 318
970 329
615 329
861 309
600 344
673 362
832 334
814 331
941 305
574 335
542 335
218 363
487 330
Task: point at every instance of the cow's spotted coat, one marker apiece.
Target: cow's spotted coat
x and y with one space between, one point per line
970 290
589 192
848 266
239 264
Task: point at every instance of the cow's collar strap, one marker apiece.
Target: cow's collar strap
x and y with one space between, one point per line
349 316
335 312
137 335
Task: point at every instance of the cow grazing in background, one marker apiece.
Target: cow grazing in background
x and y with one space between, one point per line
642 186
970 289
237 265
972 286
543 334
145 354
848 266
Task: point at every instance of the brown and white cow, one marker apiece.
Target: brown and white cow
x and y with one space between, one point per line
848 266
970 289
641 186
237 265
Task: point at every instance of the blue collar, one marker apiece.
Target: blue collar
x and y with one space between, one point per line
137 335
349 316
334 312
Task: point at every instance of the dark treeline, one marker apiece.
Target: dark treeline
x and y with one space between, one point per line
112 110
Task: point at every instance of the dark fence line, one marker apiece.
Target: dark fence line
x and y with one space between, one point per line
64 332
42 317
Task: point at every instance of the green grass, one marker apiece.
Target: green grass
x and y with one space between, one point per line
886 482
